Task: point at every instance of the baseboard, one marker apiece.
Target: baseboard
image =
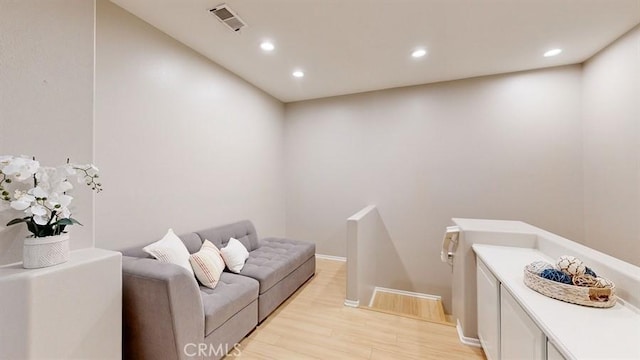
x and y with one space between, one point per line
331 257
407 293
352 303
466 340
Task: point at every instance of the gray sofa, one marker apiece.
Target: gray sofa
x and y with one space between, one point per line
168 315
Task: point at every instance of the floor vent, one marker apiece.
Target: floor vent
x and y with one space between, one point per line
228 17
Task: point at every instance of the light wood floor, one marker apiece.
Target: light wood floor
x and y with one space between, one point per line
314 324
411 306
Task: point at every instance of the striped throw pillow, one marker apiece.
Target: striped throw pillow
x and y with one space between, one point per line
207 264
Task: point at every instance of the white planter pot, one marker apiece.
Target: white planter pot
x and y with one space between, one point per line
45 251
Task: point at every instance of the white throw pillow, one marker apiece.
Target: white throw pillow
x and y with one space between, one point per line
170 249
207 264
234 255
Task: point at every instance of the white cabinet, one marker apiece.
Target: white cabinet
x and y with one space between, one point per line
488 311
68 311
520 338
505 331
527 319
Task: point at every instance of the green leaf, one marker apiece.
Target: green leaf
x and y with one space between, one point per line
17 221
64 222
45 231
32 228
75 221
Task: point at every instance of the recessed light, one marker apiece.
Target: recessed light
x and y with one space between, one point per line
418 53
552 52
267 46
298 73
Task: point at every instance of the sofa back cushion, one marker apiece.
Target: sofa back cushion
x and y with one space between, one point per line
191 240
243 230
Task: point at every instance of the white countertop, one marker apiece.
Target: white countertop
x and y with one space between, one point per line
495 225
76 257
579 332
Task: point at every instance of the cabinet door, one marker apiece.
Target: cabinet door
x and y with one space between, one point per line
488 291
553 353
520 338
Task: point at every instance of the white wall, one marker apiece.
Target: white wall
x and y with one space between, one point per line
180 141
46 98
372 260
499 147
611 115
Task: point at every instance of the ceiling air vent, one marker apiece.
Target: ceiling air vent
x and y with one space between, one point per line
228 17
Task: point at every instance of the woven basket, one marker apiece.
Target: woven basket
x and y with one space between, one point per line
587 296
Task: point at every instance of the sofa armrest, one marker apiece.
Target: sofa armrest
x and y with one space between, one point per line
162 310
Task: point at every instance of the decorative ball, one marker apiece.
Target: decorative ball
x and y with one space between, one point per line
556 275
584 280
589 271
571 265
603 283
537 267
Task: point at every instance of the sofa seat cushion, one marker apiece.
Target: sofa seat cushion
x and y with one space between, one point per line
232 294
276 258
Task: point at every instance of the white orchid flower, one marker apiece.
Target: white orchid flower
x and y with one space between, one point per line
41 219
73 171
64 213
5 160
60 203
39 213
38 192
21 168
38 210
42 176
7 164
69 169
54 180
23 202
60 182
62 187
62 200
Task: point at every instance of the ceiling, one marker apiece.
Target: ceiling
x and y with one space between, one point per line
351 46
